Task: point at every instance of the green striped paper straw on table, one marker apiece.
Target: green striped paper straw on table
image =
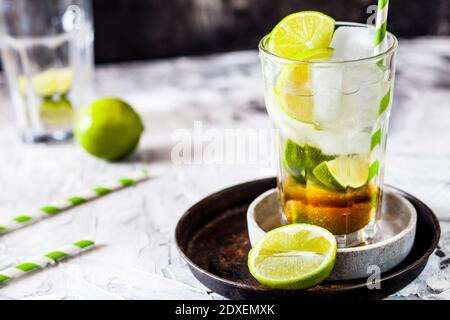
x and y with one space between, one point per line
380 45
51 209
45 260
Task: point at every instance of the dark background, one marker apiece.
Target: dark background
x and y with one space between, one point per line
147 29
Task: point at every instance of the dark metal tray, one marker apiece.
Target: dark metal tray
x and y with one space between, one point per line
212 237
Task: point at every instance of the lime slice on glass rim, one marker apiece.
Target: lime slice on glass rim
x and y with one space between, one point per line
303 36
296 256
301 31
343 172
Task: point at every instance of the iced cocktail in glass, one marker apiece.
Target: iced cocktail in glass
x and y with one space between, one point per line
330 109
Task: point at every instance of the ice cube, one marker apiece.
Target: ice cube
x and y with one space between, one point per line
361 108
327 90
343 142
364 86
333 142
351 43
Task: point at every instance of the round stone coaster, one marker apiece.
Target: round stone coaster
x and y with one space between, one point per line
393 243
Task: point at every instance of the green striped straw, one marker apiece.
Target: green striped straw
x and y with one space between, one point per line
45 260
49 210
381 25
380 45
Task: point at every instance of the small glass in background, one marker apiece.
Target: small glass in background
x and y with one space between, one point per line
47 55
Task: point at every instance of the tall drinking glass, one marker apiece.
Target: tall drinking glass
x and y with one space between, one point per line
331 123
47 55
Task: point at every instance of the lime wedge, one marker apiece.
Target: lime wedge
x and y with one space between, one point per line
293 88
314 157
318 54
343 172
300 31
294 160
296 256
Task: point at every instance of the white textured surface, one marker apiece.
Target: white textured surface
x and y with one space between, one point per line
137 258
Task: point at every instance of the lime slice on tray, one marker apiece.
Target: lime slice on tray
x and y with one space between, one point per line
293 88
296 256
343 172
300 31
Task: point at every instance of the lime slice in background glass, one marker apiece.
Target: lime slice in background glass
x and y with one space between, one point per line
49 82
296 256
56 112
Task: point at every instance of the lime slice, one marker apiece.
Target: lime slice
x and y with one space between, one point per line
49 82
300 31
295 78
319 54
296 256
293 88
294 160
343 172
314 157
56 112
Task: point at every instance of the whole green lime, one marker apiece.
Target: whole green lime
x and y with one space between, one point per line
108 128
